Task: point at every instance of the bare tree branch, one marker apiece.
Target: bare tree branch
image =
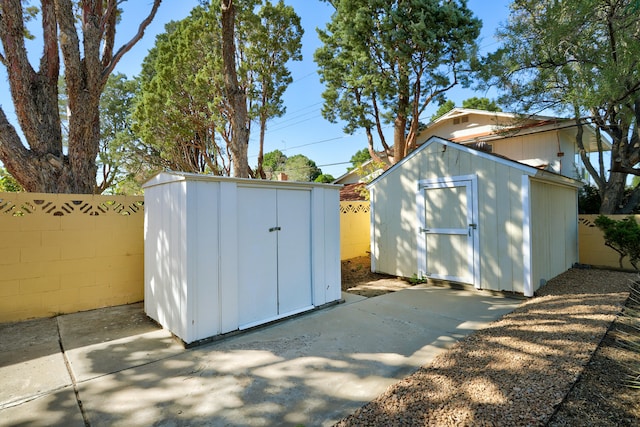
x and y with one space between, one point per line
70 48
127 46
16 156
108 29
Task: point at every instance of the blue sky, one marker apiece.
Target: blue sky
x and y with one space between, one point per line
302 130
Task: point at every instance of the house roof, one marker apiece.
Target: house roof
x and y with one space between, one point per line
457 112
510 124
353 192
533 171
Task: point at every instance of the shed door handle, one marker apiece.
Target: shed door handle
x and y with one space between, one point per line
272 229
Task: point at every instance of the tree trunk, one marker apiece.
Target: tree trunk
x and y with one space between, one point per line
612 193
43 166
263 127
400 122
399 139
237 98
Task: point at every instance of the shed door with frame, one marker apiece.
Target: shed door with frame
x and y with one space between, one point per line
274 259
447 241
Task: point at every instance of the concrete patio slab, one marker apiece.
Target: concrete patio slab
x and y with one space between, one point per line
31 364
310 370
57 407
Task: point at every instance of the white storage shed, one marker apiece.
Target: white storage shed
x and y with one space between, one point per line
225 254
451 212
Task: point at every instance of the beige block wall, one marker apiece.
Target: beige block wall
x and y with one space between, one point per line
355 222
592 248
67 253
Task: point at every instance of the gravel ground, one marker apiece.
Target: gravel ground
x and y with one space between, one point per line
519 370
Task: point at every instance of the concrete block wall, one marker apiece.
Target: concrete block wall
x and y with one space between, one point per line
355 222
66 253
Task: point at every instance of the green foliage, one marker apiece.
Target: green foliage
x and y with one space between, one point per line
385 61
117 148
360 157
301 168
325 178
589 200
8 183
622 236
371 170
443 109
117 141
415 280
579 58
481 104
297 167
182 114
274 162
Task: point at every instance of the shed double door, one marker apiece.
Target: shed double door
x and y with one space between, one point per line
274 259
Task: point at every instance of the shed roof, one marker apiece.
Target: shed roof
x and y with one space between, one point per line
173 176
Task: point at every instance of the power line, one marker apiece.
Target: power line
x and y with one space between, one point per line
285 123
303 77
334 164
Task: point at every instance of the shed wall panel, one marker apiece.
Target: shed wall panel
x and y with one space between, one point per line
203 254
395 224
554 220
330 248
164 232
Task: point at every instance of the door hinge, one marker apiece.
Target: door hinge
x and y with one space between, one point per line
423 230
272 229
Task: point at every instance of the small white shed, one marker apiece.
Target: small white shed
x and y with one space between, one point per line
450 212
225 254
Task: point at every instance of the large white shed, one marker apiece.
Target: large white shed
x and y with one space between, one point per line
225 254
452 212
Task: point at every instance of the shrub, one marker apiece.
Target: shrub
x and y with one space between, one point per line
622 236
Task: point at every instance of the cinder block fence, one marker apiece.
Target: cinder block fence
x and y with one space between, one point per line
355 221
68 253
591 244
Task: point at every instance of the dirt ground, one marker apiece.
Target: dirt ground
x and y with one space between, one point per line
358 279
601 396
